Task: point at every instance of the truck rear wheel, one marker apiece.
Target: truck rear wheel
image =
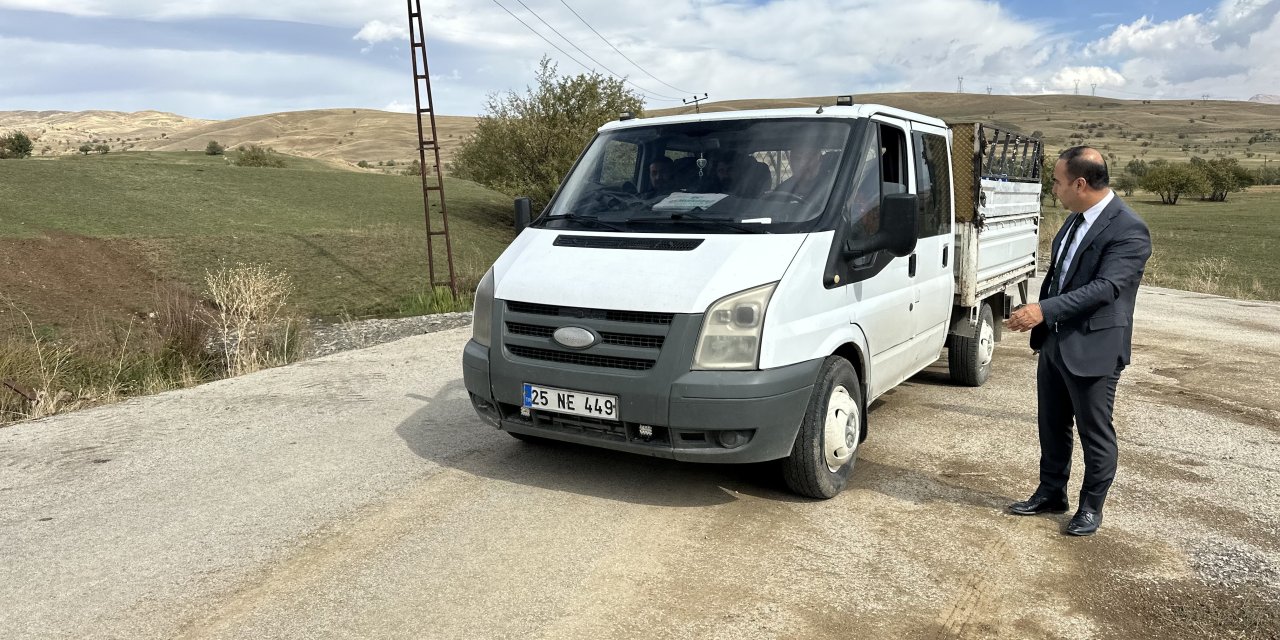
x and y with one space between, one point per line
826 447
969 359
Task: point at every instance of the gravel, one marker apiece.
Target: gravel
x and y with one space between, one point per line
331 337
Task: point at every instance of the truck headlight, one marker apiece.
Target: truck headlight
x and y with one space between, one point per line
731 331
482 316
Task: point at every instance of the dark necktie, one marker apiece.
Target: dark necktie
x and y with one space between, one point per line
1056 273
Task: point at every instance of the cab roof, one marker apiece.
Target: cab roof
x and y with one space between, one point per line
828 112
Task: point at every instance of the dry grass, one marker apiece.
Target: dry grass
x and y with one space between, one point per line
254 332
42 373
184 343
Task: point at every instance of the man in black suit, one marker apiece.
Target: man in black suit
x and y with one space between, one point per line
1082 326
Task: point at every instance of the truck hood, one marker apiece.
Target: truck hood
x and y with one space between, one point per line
665 280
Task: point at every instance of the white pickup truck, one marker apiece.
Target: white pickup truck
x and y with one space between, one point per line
739 286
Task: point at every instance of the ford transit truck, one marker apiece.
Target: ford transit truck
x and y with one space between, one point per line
738 287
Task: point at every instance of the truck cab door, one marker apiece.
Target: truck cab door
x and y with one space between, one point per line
935 250
884 299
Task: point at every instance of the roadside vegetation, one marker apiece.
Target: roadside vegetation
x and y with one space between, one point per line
243 326
132 273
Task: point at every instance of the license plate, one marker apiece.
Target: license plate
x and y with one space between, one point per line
573 402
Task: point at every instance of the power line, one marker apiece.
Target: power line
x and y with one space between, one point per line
637 65
571 43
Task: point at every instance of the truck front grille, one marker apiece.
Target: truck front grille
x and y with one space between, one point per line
585 359
620 339
629 340
642 317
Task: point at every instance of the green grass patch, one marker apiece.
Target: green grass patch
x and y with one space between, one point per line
1222 248
353 242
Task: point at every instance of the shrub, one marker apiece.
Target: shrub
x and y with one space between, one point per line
545 129
363 164
214 149
256 156
15 144
253 329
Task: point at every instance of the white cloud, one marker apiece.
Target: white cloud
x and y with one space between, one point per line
1071 79
730 48
1219 52
398 107
376 31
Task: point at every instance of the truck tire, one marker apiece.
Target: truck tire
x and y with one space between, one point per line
969 359
826 447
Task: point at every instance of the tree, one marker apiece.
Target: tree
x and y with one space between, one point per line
1125 183
214 149
102 148
524 145
1222 176
15 144
1170 181
86 148
1136 168
1046 181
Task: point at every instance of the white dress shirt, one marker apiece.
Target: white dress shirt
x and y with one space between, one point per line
1090 216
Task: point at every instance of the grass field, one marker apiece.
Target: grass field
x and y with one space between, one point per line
1224 248
353 243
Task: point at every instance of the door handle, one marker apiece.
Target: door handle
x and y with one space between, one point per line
911 268
946 252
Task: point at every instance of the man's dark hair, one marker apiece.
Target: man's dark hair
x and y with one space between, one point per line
1078 166
663 160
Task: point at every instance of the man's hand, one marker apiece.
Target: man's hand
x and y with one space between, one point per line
1025 317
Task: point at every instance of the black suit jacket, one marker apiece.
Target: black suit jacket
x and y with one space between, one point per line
1093 313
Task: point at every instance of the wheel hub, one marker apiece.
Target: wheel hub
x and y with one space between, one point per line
986 344
840 429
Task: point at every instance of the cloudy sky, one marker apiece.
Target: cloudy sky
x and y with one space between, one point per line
229 58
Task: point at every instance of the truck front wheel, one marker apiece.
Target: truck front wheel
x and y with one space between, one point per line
826 448
969 359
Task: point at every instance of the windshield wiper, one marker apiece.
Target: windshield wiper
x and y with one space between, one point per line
590 220
690 217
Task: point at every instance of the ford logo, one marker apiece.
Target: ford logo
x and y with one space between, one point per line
574 337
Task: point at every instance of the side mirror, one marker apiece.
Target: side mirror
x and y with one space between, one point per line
898 223
896 232
523 209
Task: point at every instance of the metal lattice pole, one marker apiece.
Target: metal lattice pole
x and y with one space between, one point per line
429 143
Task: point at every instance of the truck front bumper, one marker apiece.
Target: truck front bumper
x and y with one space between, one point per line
699 416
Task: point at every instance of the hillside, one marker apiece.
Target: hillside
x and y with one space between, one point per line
344 135
1148 129
1127 129
122 230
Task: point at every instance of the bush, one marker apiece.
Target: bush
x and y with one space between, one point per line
214 149
251 323
102 149
363 164
256 156
544 129
16 144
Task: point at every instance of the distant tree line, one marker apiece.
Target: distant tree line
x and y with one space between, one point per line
1211 179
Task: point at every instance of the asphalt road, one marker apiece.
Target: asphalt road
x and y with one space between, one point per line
356 495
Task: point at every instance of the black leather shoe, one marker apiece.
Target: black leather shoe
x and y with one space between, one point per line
1039 503
1084 523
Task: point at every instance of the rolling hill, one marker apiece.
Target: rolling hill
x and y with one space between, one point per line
1124 129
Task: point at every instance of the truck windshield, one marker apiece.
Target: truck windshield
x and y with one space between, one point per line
725 176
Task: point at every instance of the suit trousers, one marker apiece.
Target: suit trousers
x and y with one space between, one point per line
1089 402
